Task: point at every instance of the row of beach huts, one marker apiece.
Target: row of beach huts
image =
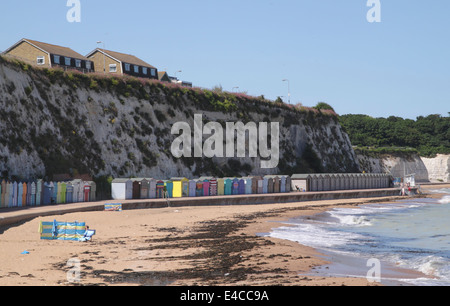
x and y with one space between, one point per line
39 192
178 187
36 193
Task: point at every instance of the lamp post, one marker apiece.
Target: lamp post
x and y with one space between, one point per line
289 90
236 87
104 59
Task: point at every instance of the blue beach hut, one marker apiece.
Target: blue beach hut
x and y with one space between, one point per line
14 193
19 194
228 186
248 185
46 193
69 193
265 185
192 188
282 184
54 196
241 186
235 187
169 187
199 189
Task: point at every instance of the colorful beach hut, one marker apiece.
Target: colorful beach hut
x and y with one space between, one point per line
228 186
160 189
255 184
47 193
76 190
241 186
64 193
169 188
235 187
213 187
136 189
206 185
33 194
178 184
248 185
25 196
265 185
29 194
87 192
283 184
269 184
221 187
19 194
199 188
276 184
14 193
69 192
260 185
185 188
192 188
10 195
58 192
39 192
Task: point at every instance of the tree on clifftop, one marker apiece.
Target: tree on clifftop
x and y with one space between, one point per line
323 105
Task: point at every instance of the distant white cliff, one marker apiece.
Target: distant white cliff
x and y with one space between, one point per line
425 169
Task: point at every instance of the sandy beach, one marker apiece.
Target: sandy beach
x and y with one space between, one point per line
206 246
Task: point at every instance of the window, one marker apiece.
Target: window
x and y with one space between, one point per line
127 67
153 72
56 59
78 63
41 60
113 68
136 69
88 65
67 61
144 70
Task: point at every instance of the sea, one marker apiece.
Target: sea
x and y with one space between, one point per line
407 241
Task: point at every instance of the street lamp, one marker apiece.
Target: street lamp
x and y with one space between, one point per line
289 89
104 59
236 87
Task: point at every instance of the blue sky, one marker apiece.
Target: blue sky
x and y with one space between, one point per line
326 48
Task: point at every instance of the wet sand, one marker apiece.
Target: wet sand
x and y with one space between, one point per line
214 245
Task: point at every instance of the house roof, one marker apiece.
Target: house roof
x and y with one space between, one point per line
163 74
122 57
49 48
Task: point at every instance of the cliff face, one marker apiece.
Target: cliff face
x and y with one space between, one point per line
55 122
435 169
438 168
